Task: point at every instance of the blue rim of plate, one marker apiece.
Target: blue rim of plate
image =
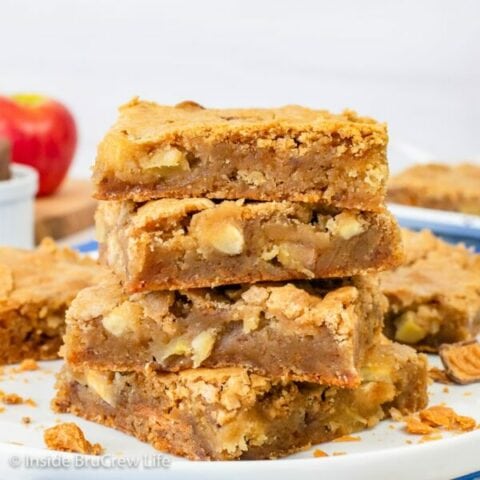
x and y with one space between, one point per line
452 226
87 247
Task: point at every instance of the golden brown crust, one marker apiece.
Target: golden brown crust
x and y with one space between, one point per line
145 122
36 288
48 274
293 153
438 186
434 297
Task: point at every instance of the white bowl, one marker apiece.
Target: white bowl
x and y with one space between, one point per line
17 197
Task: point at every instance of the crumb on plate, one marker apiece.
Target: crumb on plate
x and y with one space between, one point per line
415 426
347 438
11 398
439 375
15 399
27 365
431 437
396 414
446 417
428 421
68 437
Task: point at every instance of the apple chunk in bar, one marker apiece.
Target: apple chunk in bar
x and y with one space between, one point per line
192 243
36 288
434 297
290 153
314 331
232 413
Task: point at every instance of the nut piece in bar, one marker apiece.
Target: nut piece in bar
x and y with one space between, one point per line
443 187
462 361
36 288
232 413
434 297
191 243
268 328
5 173
289 153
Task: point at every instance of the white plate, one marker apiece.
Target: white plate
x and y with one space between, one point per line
382 453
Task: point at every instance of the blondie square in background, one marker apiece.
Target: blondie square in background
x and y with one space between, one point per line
36 288
434 297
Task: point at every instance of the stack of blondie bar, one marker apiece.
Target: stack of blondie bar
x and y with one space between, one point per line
242 318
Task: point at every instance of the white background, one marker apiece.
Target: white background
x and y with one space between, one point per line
412 63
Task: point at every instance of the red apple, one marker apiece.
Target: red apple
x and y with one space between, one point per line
43 135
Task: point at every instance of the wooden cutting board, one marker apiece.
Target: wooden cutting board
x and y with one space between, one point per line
68 211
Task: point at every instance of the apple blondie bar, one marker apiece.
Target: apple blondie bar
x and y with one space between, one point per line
434 297
314 331
232 413
443 187
36 288
195 242
290 153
